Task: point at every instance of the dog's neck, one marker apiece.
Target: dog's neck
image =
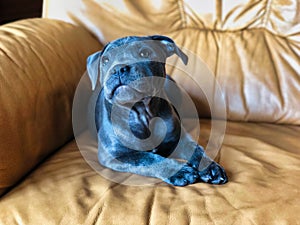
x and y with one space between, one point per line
151 105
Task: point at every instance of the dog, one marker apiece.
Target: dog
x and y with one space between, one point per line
119 64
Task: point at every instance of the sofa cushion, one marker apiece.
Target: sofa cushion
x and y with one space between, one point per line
262 162
252 47
42 61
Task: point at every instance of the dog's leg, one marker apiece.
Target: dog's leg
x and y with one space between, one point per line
153 165
209 171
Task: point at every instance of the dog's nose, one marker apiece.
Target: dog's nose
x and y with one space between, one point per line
120 68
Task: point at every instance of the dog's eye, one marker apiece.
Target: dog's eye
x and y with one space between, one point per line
145 53
105 60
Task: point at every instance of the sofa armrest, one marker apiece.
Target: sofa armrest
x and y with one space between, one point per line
41 63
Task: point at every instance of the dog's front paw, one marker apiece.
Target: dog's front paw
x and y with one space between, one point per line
186 175
213 174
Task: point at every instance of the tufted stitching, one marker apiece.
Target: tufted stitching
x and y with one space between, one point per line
195 17
219 6
182 13
267 13
264 20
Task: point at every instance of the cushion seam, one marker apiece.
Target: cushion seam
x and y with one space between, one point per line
232 31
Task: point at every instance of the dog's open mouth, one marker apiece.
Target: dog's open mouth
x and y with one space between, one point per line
127 94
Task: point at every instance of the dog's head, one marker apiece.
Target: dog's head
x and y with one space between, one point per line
129 59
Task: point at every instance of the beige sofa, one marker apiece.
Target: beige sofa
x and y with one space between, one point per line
251 47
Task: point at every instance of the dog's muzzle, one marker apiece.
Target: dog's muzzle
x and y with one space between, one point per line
127 84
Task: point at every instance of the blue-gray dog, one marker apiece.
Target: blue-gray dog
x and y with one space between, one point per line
119 64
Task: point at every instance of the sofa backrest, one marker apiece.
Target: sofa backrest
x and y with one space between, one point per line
251 47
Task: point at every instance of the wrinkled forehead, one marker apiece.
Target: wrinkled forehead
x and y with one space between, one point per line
125 50
129 43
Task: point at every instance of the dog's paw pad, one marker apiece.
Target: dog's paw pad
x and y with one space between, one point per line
213 174
187 175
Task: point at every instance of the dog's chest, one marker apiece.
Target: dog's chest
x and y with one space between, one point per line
139 120
152 117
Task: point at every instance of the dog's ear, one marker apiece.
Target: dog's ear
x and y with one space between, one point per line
170 47
92 66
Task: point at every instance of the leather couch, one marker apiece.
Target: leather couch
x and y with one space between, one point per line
251 47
